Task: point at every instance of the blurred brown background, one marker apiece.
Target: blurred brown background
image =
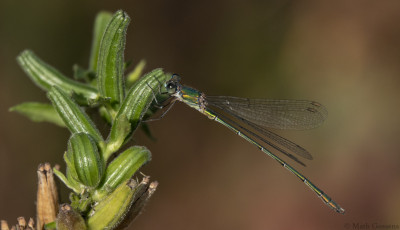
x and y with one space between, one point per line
344 54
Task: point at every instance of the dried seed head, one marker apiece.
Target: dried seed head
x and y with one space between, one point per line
47 196
21 224
4 225
69 219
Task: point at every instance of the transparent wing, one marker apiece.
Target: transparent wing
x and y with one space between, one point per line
271 113
275 138
262 135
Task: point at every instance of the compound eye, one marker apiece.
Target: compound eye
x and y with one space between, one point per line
171 87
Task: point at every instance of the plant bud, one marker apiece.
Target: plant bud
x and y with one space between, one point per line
122 168
85 160
110 66
72 115
45 76
133 108
109 212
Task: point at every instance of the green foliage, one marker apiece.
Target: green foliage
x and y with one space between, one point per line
39 112
110 211
122 168
136 73
133 108
73 116
45 77
100 24
110 66
102 191
88 163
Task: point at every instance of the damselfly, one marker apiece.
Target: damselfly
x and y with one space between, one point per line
250 118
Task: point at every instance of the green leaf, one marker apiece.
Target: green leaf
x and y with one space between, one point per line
51 225
134 107
71 184
104 113
100 24
83 74
127 64
122 168
74 118
72 175
110 66
39 112
80 201
45 76
122 128
136 73
146 129
88 163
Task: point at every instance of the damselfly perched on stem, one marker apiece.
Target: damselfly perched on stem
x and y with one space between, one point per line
251 118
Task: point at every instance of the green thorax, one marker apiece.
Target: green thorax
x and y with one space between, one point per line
190 97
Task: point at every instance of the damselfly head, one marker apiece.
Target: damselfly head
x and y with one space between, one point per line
172 84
